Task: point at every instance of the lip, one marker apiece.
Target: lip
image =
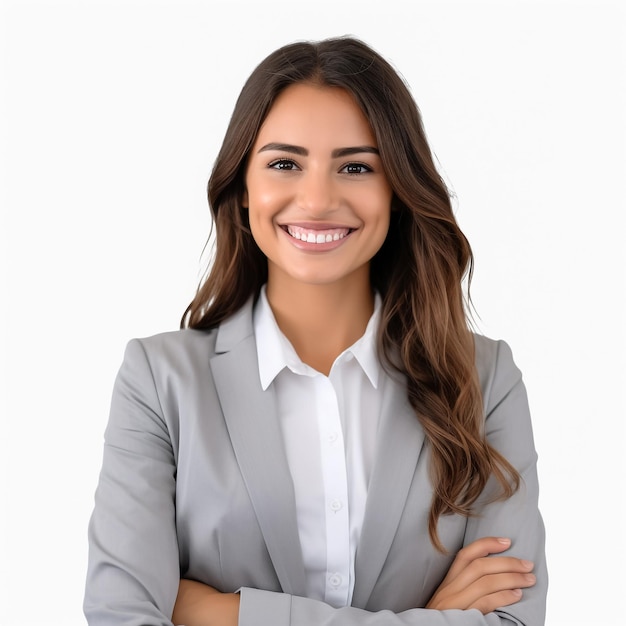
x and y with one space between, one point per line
308 246
317 225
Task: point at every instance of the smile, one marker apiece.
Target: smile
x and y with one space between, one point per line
310 235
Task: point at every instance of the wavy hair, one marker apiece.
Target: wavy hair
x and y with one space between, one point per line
419 270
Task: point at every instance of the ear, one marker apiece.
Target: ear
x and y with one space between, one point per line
244 199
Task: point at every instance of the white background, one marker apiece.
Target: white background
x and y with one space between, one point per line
112 114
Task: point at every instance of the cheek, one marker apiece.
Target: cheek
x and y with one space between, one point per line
258 225
257 204
379 211
261 214
383 231
264 200
380 217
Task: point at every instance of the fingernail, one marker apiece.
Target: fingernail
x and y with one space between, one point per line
530 578
528 564
504 540
517 592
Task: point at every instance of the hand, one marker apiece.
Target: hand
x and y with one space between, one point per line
201 605
477 581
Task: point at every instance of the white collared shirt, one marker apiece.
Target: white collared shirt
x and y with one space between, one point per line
329 424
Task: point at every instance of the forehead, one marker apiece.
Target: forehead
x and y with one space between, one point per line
316 114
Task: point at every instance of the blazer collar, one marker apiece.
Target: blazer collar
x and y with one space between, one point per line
252 421
400 442
236 328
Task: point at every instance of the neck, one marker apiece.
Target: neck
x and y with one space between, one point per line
321 321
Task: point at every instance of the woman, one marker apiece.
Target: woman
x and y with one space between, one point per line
325 441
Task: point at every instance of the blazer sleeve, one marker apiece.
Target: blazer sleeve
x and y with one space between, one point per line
508 429
133 569
133 566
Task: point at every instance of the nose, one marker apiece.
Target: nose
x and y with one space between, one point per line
317 193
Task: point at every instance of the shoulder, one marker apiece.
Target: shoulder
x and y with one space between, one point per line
177 341
181 352
508 425
496 368
190 349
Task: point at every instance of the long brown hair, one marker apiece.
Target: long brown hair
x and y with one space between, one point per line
419 270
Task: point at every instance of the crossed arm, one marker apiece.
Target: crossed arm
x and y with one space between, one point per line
139 489
475 580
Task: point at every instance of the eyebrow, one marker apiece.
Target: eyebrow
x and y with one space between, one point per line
338 152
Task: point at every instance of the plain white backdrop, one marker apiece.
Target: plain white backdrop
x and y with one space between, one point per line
112 114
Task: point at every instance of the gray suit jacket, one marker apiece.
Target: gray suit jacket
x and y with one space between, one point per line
195 484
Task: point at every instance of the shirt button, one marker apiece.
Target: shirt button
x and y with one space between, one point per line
333 437
336 505
334 580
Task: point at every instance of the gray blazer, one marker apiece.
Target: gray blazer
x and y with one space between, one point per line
195 484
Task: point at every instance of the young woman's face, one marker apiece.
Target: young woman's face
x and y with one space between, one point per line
318 198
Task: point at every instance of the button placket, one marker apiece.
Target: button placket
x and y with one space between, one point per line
336 505
336 490
335 580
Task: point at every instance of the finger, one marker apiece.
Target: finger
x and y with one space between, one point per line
487 566
493 584
475 550
483 547
466 596
490 603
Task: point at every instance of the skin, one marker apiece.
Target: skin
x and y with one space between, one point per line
475 580
300 178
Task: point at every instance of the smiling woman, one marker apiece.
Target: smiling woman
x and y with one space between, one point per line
324 440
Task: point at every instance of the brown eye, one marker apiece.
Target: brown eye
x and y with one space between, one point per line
283 164
356 168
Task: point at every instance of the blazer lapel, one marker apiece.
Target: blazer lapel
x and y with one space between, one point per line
399 446
251 418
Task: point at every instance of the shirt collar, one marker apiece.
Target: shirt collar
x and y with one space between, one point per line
364 350
275 352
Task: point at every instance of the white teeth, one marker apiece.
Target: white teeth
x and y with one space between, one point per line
316 237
